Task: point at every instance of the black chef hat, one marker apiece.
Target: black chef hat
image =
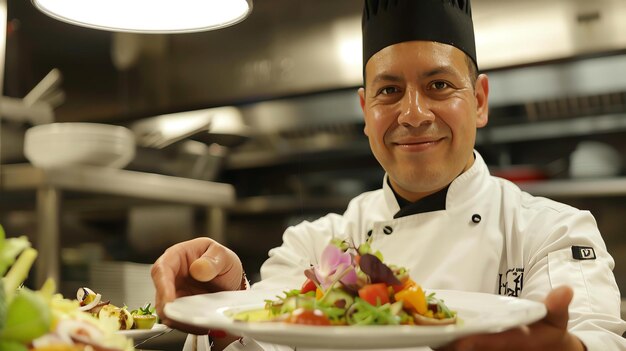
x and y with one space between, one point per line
388 22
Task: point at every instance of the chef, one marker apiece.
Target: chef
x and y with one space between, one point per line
439 212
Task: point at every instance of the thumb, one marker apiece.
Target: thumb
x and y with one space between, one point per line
557 303
220 266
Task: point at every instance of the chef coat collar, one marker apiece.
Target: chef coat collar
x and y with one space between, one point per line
432 202
462 190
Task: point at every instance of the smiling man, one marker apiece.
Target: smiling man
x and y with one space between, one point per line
439 212
422 106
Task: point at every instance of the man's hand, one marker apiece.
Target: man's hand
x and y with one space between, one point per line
550 333
194 267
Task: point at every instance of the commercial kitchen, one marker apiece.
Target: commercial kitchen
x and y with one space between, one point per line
239 132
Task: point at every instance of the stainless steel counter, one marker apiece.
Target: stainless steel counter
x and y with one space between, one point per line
591 187
49 185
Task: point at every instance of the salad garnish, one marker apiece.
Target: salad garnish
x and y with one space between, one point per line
352 286
91 302
42 319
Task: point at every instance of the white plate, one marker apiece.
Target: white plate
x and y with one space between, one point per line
478 313
139 335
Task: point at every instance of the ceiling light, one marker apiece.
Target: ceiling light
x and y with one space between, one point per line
148 16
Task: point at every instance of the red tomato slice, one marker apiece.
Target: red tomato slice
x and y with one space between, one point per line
308 317
308 285
375 294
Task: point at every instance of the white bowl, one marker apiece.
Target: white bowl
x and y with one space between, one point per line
594 159
68 144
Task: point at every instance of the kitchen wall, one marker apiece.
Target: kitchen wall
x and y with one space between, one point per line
292 68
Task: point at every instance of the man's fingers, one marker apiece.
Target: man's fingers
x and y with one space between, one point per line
219 265
507 340
557 303
163 278
206 268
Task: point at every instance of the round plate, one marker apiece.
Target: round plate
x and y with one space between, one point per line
139 335
477 313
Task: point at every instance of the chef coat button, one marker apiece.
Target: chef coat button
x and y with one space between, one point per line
476 218
387 230
369 232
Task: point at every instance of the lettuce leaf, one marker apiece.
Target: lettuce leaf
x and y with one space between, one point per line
9 250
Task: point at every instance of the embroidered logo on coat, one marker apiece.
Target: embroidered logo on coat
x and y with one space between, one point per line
583 253
511 282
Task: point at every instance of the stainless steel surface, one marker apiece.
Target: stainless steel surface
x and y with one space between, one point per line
47 90
120 182
581 126
591 76
161 131
287 48
47 244
216 224
16 110
3 41
597 187
509 33
49 185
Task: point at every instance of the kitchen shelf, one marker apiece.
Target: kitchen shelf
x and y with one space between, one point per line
17 110
49 185
288 203
601 187
567 127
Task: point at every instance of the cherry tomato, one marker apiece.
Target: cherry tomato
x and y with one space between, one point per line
308 317
375 294
308 285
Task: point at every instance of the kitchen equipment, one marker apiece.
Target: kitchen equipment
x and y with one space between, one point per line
47 90
187 158
65 144
222 125
594 159
161 131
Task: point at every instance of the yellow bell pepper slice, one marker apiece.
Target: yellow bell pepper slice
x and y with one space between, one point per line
413 297
319 294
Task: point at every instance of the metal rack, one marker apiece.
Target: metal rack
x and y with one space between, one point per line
50 184
597 187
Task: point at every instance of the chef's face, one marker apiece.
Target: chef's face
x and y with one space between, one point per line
421 108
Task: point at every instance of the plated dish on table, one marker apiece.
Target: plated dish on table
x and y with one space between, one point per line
478 313
352 300
139 335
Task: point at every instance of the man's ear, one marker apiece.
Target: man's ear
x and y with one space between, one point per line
482 100
361 93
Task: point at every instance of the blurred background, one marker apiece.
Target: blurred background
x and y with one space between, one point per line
272 128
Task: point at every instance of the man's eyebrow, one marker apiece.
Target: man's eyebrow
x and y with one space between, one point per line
440 70
387 77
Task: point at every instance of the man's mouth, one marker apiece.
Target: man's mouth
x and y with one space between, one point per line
417 144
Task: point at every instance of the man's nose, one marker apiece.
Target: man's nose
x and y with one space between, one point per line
415 109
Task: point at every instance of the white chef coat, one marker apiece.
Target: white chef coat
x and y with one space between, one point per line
492 238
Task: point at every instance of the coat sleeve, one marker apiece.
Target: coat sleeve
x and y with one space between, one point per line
595 309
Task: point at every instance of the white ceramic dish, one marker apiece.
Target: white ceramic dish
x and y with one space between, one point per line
68 144
478 313
139 335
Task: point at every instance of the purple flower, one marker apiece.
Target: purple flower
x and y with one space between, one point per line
335 265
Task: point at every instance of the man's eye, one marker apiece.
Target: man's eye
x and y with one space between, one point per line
387 90
439 85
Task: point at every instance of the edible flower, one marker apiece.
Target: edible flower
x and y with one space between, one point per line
335 265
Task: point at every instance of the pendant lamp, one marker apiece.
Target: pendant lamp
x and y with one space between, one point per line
148 16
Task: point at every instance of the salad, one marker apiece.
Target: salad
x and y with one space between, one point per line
352 286
42 319
91 302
